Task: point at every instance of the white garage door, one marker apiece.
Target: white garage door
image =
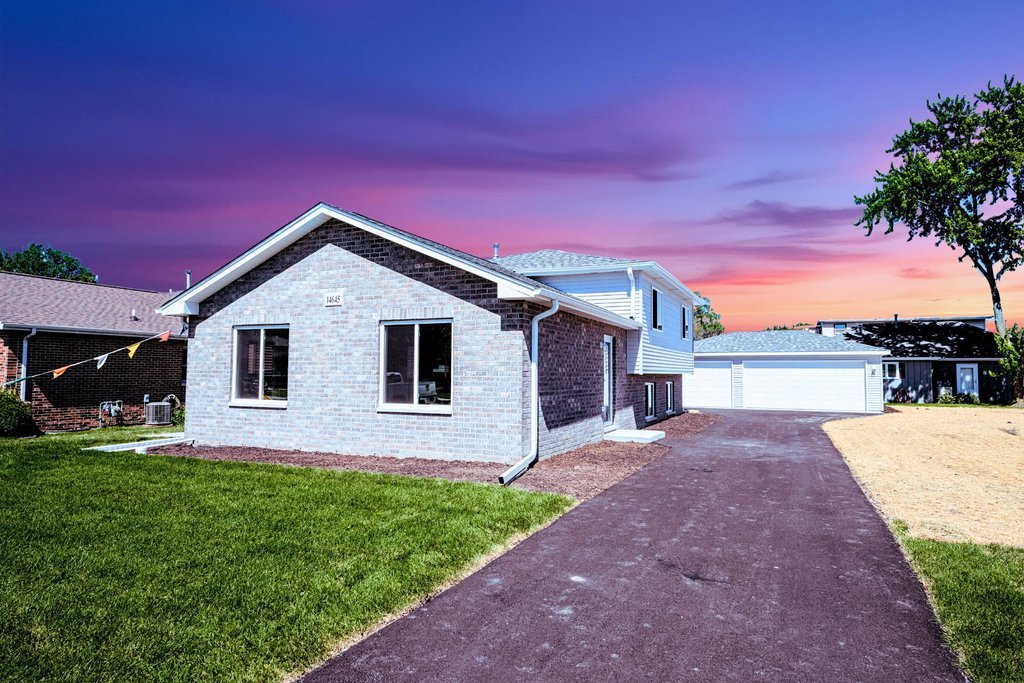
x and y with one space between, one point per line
834 385
710 385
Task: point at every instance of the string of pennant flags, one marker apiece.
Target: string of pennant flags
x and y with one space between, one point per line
100 360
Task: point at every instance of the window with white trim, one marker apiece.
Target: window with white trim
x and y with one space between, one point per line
649 410
670 397
260 365
416 365
656 309
890 370
684 315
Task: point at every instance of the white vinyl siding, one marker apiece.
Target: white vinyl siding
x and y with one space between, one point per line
710 385
648 351
607 290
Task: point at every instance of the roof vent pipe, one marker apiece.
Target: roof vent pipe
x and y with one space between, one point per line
517 470
896 319
496 245
188 279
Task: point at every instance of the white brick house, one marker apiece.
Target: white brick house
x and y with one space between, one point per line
338 333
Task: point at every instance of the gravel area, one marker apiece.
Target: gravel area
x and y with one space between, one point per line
954 474
582 473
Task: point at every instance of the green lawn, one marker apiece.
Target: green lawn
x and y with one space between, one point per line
119 566
978 591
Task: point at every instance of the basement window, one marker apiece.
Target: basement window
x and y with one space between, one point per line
416 366
670 397
260 369
649 411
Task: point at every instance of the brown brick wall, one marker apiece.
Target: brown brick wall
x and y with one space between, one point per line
72 400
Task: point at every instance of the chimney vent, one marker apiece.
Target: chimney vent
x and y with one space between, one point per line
134 317
896 319
188 279
496 245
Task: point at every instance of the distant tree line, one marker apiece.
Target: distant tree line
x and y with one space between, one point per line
38 259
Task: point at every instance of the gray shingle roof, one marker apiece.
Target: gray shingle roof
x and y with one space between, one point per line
28 300
555 259
783 341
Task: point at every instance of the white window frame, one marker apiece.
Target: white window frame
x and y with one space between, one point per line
670 397
415 406
257 402
650 401
886 365
657 312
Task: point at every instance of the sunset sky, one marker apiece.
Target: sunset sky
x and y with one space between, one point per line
724 140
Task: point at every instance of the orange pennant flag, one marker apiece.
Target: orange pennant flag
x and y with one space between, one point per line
133 348
60 371
165 336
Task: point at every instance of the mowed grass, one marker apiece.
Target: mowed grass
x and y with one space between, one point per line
119 566
978 591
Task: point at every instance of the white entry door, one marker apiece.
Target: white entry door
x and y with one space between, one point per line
824 385
710 385
967 378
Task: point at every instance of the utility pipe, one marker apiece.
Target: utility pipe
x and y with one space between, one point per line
24 362
633 314
514 472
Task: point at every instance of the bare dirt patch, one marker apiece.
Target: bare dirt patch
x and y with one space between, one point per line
582 473
953 474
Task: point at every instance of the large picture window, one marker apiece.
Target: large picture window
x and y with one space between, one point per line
416 366
261 365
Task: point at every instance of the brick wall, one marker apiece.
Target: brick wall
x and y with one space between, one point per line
571 377
334 353
72 400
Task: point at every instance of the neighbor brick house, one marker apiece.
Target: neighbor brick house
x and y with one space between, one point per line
47 323
340 333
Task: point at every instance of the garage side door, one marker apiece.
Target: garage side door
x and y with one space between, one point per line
710 385
805 385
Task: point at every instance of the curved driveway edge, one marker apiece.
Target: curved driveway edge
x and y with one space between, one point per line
748 552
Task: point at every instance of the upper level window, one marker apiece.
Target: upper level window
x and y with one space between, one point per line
416 366
684 315
261 365
656 309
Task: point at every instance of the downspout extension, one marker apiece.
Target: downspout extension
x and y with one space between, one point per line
24 362
517 470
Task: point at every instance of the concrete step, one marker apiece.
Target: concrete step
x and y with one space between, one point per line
634 435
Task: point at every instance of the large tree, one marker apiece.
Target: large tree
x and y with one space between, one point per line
706 321
36 259
959 179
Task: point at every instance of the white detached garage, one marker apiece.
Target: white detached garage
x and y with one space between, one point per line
785 370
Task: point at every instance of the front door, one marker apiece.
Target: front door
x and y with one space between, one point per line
967 378
608 396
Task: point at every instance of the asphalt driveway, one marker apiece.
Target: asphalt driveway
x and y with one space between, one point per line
748 552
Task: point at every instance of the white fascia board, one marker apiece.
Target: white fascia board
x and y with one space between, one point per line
85 330
653 267
789 354
187 302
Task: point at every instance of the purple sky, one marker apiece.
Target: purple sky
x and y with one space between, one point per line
725 140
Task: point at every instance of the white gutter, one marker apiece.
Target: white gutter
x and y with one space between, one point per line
514 472
24 362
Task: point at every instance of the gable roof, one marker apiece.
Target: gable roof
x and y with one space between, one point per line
928 339
28 301
781 341
511 284
549 262
556 259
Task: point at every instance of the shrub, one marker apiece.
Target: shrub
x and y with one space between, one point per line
15 415
959 399
178 416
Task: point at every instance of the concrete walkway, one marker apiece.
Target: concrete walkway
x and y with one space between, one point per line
746 553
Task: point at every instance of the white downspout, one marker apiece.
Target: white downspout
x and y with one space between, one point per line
24 362
634 316
514 472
